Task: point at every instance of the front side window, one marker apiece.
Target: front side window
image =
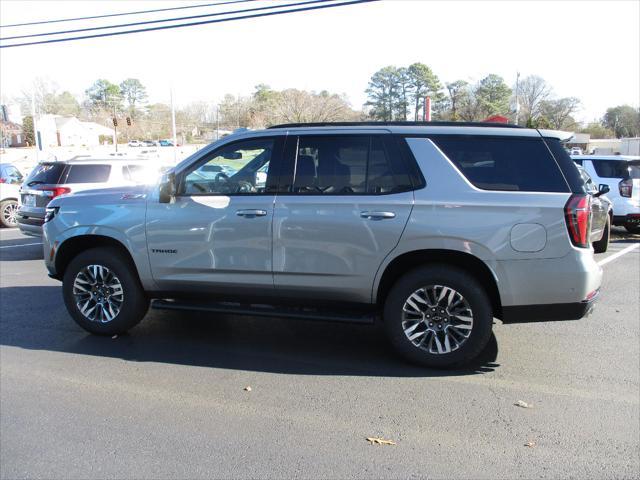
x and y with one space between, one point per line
12 175
346 165
238 168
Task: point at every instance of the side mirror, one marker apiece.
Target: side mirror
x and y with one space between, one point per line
167 188
602 189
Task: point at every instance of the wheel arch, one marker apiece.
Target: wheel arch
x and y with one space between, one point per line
465 261
73 246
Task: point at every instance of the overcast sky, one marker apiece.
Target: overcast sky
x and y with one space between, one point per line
587 49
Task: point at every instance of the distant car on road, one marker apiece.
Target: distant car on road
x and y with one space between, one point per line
576 151
165 143
52 179
602 209
150 143
10 180
621 173
135 143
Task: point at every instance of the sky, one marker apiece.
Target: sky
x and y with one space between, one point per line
586 49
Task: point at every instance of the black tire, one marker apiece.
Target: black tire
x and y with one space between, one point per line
5 217
456 279
134 305
632 228
602 245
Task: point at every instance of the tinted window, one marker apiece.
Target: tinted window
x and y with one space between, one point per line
344 165
505 163
88 173
568 167
49 173
241 167
617 168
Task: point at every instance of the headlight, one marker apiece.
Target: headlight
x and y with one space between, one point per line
50 213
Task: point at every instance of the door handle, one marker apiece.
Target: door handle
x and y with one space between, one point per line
251 213
377 215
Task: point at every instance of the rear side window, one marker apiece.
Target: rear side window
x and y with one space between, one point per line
88 173
347 165
504 163
617 168
45 173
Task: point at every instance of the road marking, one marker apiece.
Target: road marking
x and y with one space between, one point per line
23 245
611 258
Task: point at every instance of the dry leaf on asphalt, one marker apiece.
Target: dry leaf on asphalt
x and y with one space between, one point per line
247 389
379 441
522 404
530 444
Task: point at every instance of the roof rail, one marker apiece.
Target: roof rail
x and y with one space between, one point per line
396 124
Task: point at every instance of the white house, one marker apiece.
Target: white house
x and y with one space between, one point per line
58 131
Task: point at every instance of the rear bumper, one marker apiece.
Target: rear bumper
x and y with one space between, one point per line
30 223
630 219
548 313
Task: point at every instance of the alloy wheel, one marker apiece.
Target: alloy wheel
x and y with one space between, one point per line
98 293
10 214
437 319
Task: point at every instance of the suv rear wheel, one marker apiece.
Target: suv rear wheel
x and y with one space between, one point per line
102 294
438 316
602 245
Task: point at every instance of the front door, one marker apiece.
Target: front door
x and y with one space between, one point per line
216 235
349 200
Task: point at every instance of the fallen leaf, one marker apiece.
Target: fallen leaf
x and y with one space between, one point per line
379 441
247 388
530 444
522 404
114 337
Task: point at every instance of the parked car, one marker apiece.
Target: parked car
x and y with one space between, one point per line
621 173
150 143
52 179
10 180
165 143
602 215
432 229
135 143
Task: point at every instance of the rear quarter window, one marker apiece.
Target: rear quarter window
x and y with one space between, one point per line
521 164
88 174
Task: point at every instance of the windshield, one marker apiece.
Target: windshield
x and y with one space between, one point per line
45 173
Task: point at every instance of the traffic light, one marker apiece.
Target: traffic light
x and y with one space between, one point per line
115 122
129 121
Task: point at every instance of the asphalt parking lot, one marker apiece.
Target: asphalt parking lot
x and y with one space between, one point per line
168 400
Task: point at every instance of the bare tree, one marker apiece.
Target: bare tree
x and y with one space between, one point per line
533 90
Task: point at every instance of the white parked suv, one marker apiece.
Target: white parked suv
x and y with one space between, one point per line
622 174
10 180
49 180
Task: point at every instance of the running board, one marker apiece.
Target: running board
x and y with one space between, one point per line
261 310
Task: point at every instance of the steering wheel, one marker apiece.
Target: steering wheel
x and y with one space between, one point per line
245 187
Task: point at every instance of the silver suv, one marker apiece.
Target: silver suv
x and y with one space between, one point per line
432 229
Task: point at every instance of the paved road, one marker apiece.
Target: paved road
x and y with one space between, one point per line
168 400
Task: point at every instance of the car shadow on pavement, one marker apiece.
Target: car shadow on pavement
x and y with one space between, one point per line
37 319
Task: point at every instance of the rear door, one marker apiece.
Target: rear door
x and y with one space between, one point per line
345 202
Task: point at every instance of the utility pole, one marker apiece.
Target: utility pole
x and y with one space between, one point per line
173 126
217 122
115 127
517 99
36 137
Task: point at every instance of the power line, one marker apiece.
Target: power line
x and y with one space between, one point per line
176 19
205 22
124 13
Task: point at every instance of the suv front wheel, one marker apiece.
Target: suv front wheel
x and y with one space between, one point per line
438 316
102 292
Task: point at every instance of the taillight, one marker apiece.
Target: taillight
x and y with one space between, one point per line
55 191
2 180
577 213
626 188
